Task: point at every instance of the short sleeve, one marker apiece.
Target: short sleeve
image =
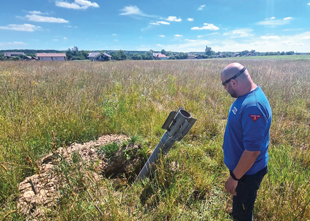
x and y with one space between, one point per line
254 125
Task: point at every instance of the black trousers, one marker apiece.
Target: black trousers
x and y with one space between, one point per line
243 202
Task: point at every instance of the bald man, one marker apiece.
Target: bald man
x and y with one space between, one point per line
246 139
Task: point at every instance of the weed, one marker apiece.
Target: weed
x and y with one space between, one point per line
109 150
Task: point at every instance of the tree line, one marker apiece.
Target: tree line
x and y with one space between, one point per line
75 54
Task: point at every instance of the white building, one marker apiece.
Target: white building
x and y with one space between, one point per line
51 56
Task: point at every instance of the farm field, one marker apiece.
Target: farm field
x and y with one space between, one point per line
48 105
273 57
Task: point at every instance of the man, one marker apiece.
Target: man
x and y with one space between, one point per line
246 139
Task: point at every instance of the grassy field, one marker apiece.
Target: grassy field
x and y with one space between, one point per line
275 57
80 101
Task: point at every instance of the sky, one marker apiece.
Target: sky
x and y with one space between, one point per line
142 25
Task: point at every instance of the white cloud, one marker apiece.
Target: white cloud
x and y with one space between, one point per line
177 35
162 36
201 7
298 43
39 18
206 26
160 23
190 19
291 43
187 46
259 43
273 18
308 3
270 37
24 27
275 22
65 38
239 33
15 43
293 29
133 11
114 34
77 4
35 12
199 36
174 18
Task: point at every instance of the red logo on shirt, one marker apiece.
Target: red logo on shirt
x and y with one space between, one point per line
255 117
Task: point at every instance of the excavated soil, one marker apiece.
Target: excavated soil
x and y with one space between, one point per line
40 193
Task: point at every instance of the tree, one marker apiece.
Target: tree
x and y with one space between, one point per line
69 54
181 56
122 55
171 57
169 53
119 55
163 52
136 56
147 56
84 54
209 51
245 52
76 55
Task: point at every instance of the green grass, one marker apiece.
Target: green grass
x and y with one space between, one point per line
109 150
80 101
274 57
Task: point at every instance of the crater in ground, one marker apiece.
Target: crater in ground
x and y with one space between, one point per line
116 157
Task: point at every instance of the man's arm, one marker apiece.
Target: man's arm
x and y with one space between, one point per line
246 161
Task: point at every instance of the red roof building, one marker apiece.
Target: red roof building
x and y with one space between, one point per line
159 56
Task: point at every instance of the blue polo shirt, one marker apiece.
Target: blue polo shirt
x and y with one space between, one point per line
247 128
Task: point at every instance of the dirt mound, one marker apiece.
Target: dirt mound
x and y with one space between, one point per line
110 156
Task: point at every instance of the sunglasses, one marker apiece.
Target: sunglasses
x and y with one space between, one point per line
234 77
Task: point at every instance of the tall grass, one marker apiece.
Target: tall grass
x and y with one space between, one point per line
81 101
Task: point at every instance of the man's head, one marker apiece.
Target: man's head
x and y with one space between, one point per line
236 80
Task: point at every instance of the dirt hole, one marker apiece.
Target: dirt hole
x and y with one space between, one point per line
116 157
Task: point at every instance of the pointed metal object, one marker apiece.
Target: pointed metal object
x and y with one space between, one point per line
177 125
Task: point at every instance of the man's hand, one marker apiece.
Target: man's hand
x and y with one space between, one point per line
231 186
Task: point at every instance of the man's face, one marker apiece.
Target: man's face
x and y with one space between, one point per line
230 90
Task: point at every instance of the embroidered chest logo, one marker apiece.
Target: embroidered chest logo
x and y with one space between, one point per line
234 110
255 117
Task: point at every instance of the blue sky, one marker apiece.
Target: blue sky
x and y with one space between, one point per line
173 25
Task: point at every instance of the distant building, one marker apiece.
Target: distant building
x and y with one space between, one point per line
159 56
235 55
13 54
93 55
51 56
97 56
191 56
